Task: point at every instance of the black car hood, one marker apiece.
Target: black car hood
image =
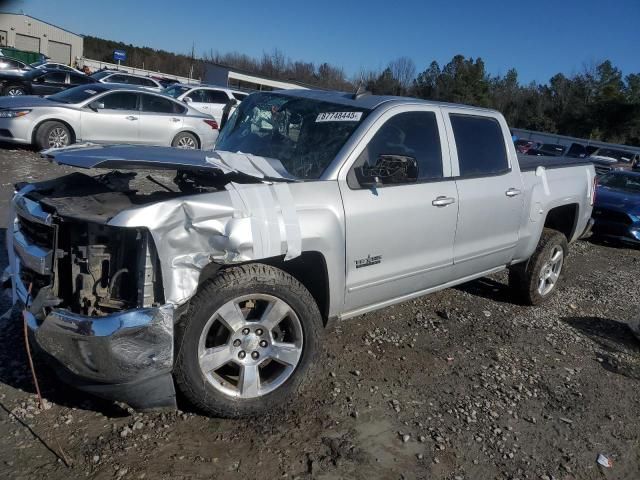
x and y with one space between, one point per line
28 101
133 157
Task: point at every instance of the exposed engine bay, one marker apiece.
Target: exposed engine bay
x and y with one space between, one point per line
97 269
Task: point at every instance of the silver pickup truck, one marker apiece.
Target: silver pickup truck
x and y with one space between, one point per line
219 280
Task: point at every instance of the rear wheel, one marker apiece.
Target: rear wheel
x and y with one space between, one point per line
14 90
537 279
247 342
186 141
53 135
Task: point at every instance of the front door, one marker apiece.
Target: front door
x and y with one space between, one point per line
112 118
50 83
399 236
490 191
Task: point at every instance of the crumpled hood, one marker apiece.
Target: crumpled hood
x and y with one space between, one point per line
27 101
618 199
132 157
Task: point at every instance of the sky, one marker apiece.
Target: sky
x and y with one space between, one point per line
538 38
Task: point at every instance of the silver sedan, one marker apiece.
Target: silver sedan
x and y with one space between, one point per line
101 113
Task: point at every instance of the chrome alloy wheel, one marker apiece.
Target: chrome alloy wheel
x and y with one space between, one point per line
15 92
58 137
250 346
187 142
550 272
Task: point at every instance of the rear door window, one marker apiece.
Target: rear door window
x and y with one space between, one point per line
155 104
411 134
480 145
116 79
76 79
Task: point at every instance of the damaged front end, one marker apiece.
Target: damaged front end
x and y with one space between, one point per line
93 298
101 267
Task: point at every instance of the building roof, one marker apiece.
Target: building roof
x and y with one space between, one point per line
42 21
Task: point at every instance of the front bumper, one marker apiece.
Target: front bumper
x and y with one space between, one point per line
126 356
16 130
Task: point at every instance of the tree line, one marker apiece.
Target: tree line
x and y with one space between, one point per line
600 103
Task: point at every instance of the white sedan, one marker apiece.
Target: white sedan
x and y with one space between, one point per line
105 113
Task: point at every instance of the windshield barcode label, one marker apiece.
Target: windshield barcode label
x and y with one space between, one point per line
339 117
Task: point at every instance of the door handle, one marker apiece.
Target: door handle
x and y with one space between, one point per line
174 119
513 192
131 117
443 201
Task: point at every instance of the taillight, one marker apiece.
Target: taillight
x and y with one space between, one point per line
595 189
212 123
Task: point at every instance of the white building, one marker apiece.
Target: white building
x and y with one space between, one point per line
28 33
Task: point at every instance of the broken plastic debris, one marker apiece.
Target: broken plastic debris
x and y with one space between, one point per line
604 461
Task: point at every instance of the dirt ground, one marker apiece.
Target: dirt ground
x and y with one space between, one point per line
462 384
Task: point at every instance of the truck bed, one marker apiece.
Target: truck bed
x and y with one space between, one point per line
531 162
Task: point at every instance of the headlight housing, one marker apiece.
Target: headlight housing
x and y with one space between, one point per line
13 113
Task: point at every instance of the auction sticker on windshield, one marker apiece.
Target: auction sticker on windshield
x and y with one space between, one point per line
339 117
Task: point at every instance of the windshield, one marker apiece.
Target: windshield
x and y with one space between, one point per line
77 94
621 181
175 90
304 134
619 155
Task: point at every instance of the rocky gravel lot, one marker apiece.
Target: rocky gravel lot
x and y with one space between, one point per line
462 384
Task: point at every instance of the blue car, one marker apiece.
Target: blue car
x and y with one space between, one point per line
617 207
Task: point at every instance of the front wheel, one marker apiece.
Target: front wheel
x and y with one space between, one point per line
247 342
14 91
536 280
53 134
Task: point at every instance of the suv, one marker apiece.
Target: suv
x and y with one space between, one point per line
114 76
205 98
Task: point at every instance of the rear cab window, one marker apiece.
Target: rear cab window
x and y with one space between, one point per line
480 144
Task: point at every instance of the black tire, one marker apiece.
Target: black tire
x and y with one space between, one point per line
14 88
234 283
42 139
524 278
185 138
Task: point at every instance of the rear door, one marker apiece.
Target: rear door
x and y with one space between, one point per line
114 118
490 191
160 119
399 237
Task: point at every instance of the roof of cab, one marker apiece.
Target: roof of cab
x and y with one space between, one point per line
369 101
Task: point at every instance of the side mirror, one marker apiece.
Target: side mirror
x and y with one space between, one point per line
388 170
95 106
187 100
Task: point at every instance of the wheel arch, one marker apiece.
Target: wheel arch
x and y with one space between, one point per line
564 219
37 126
310 269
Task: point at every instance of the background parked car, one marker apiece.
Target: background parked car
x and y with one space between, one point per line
205 98
45 65
617 207
40 82
104 113
114 76
547 149
8 64
608 159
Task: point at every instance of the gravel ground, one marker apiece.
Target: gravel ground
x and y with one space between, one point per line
462 384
